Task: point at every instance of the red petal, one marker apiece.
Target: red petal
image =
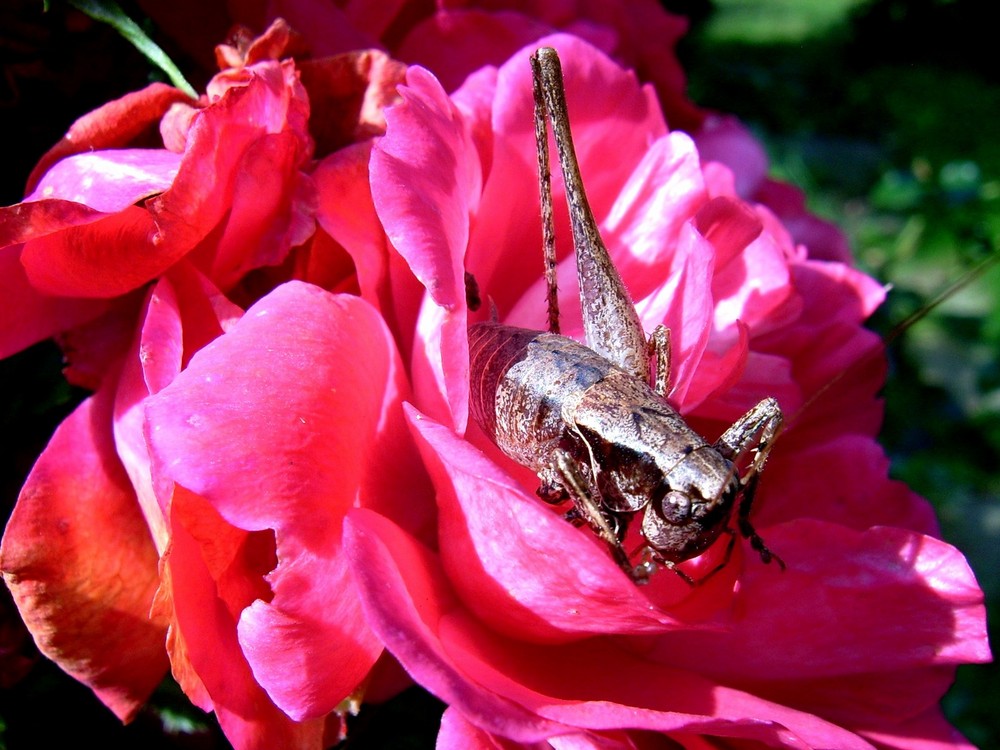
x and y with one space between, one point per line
530 692
208 627
407 598
27 316
105 258
116 124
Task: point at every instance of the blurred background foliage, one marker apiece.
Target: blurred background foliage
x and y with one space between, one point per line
885 112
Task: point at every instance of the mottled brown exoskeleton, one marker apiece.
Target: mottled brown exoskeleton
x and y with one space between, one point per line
593 421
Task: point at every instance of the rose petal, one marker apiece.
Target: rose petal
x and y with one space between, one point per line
590 684
425 183
405 595
117 124
324 391
859 496
28 316
457 733
109 181
930 731
208 627
851 591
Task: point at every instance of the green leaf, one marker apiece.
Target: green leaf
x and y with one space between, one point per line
109 12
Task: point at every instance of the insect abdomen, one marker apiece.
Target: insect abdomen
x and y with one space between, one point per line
523 382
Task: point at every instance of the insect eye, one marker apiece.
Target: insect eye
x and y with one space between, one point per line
676 507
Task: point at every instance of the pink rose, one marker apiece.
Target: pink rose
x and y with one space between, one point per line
522 623
126 552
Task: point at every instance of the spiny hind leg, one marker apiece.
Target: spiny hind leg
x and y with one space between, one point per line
658 351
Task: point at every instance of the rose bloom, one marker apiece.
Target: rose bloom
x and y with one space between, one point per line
522 623
224 451
188 514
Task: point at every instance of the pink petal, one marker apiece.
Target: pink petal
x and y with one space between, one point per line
425 183
930 731
183 313
457 733
109 181
504 251
290 445
647 219
591 684
79 562
861 496
888 613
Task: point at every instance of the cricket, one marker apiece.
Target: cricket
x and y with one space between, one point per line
593 420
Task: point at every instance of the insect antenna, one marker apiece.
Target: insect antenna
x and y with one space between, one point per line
896 331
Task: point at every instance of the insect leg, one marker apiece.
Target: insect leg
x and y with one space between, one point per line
545 198
755 430
589 509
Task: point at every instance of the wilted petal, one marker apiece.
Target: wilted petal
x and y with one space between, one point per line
78 558
252 139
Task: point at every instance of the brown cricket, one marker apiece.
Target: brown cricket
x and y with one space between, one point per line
593 421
